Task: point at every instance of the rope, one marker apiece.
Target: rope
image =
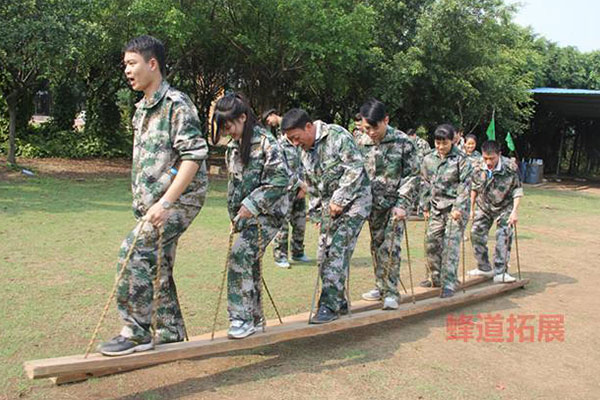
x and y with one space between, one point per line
348 300
114 288
229 247
517 245
412 289
264 283
464 279
320 269
156 284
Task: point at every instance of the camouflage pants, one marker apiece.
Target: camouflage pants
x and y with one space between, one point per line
297 219
385 237
479 237
135 290
442 246
243 274
337 241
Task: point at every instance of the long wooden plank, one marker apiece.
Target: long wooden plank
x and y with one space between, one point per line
77 365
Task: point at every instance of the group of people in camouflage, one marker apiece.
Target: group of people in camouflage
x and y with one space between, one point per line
377 174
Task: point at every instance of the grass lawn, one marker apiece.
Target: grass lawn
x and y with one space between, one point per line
58 245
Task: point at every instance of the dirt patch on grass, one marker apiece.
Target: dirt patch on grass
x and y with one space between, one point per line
66 168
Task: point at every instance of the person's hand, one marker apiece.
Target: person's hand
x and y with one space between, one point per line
513 219
244 213
455 214
157 215
335 209
399 213
425 215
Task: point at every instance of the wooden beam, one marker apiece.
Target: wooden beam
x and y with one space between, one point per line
294 328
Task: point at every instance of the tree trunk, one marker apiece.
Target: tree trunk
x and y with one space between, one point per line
11 100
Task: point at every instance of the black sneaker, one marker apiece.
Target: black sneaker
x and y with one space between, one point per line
324 315
120 346
447 293
344 308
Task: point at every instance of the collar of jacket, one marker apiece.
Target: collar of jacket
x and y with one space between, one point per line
156 97
454 152
257 133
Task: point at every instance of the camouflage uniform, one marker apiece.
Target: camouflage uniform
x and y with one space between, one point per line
166 131
261 187
494 202
446 187
392 166
297 213
335 170
423 149
475 158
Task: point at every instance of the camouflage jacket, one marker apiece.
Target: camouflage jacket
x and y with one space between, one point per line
423 147
292 156
393 168
334 169
261 185
475 158
496 193
446 181
166 131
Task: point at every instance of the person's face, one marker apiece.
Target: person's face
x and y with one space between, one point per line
303 137
235 128
375 132
491 160
273 120
470 145
443 146
139 72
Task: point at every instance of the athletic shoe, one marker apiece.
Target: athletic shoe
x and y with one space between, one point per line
390 303
504 278
478 272
447 293
120 346
282 263
372 295
240 329
301 258
324 315
427 283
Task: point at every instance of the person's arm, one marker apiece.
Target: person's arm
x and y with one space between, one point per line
425 189
514 215
351 161
473 198
409 179
464 188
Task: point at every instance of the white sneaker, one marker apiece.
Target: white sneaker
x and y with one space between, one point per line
372 295
504 278
282 263
390 303
478 272
240 329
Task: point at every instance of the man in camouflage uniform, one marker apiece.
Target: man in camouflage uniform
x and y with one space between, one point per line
423 149
445 175
391 162
297 189
340 201
495 196
169 186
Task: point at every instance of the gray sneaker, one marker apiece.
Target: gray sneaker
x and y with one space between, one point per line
504 278
282 263
240 329
478 272
372 295
390 303
120 346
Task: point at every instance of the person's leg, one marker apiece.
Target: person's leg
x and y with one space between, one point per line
504 236
434 244
298 222
479 238
388 269
280 244
451 254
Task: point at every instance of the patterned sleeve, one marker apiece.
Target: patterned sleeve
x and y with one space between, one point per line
350 185
464 184
425 186
274 181
410 175
188 139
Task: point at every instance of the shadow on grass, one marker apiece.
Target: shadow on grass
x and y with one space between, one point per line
343 349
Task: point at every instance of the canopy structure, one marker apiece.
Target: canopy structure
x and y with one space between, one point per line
579 103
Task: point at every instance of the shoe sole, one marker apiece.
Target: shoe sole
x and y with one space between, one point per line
136 349
245 335
389 308
505 281
317 322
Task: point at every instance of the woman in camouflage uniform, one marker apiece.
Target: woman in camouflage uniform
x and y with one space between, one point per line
256 197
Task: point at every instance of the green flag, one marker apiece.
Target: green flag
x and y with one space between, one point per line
491 130
509 142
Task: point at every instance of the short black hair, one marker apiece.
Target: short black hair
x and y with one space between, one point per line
471 136
443 132
411 132
490 147
148 47
266 114
373 111
294 118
